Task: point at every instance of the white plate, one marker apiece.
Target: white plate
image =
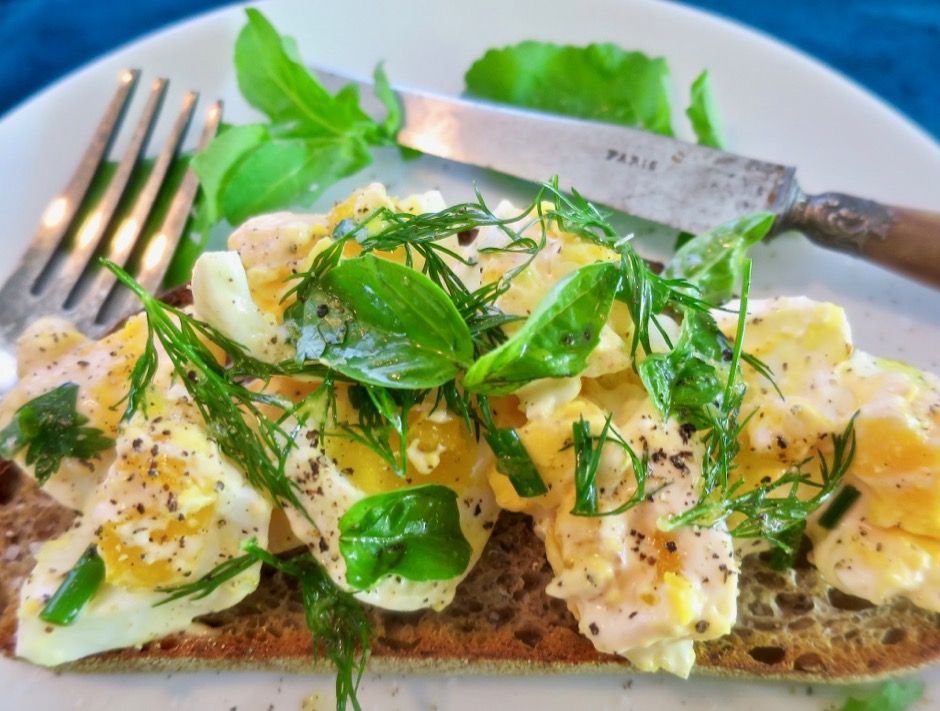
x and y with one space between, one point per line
777 105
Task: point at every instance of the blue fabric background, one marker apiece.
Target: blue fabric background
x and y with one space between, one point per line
892 47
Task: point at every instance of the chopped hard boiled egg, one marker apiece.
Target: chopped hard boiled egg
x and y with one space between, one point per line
888 542
605 455
52 352
332 473
169 510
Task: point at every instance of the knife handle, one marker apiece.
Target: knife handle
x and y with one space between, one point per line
902 239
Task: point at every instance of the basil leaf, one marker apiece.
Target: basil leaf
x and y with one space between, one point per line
556 339
51 429
414 533
703 113
78 587
324 318
600 82
385 94
513 461
397 329
714 260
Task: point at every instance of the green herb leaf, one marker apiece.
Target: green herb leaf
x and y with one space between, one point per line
79 586
773 509
337 622
272 78
891 696
599 81
289 171
335 619
52 429
588 460
207 584
513 461
414 533
218 161
703 113
312 139
714 260
783 557
557 338
688 380
839 506
231 411
395 327
382 412
385 94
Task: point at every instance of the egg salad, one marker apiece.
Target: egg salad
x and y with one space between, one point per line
373 385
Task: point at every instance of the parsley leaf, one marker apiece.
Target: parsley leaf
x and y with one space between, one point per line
599 82
311 140
52 429
703 114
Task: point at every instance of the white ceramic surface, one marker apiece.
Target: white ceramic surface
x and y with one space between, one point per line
777 104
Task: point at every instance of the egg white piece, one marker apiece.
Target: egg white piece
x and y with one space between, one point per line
242 294
888 542
170 509
332 474
636 591
52 352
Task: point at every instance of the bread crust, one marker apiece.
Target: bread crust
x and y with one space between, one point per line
791 625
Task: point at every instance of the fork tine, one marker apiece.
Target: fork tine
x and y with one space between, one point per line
157 256
59 214
94 297
95 226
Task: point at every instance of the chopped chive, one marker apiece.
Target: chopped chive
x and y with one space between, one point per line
839 507
80 585
514 461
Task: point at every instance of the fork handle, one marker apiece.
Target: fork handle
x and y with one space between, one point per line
901 239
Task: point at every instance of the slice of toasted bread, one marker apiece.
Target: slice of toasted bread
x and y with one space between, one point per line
790 625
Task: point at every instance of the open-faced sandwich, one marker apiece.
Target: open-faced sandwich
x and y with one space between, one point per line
467 439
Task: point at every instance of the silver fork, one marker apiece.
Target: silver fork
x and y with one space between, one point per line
56 276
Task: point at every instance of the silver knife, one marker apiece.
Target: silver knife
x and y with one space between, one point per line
681 185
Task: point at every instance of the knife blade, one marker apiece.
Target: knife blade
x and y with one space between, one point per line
662 179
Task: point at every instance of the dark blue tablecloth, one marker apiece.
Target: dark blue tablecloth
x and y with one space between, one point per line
892 47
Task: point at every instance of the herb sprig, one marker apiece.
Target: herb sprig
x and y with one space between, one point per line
588 450
51 429
231 411
336 620
774 509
